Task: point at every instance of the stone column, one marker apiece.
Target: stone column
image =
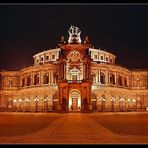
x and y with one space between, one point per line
33 78
39 59
50 76
115 77
44 58
99 72
21 77
108 77
84 74
96 77
64 70
41 77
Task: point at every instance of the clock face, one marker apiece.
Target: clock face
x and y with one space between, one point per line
74 56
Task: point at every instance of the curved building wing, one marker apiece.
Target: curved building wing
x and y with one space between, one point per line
71 78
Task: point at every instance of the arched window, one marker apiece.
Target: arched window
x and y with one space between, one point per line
112 79
55 78
10 83
36 79
28 80
23 82
119 80
46 78
102 78
138 82
125 82
75 74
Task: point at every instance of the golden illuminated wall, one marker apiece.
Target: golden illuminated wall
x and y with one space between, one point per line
140 86
74 68
50 55
34 82
9 84
103 56
123 89
35 88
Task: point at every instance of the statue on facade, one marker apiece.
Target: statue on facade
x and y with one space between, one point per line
86 41
62 40
74 35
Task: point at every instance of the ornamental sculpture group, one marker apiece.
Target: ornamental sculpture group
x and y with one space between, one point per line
74 35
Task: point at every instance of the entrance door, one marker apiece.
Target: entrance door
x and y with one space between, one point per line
74 104
74 100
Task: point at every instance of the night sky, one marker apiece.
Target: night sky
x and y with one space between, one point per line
28 29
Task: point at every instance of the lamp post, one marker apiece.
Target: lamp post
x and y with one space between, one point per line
121 104
20 105
27 104
10 104
128 104
133 104
15 105
46 104
112 103
102 103
36 104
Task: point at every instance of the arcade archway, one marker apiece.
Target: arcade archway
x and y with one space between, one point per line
74 100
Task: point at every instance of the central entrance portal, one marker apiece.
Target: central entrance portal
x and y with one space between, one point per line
74 104
74 100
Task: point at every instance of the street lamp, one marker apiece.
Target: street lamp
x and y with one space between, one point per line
121 103
128 103
10 104
46 103
36 103
102 103
20 104
134 104
14 105
27 104
112 103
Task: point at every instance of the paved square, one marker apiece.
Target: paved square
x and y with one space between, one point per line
74 128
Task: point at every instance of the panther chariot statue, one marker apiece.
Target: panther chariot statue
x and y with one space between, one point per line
74 35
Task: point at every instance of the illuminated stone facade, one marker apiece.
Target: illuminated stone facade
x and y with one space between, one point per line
74 77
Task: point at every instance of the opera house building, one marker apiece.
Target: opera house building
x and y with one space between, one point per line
74 77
